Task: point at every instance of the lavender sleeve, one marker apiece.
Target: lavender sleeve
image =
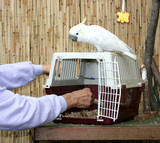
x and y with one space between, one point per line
23 112
18 74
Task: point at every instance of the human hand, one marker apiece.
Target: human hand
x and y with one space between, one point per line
79 99
46 69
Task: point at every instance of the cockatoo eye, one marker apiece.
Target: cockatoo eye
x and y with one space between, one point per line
76 33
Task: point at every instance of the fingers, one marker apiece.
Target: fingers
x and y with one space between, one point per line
93 98
88 91
79 99
85 98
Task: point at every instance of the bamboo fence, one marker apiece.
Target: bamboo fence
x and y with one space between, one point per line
32 30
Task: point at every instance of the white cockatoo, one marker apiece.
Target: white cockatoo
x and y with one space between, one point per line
100 38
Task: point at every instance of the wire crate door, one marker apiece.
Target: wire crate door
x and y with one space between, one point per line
109 89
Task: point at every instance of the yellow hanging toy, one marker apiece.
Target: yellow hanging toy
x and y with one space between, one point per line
123 17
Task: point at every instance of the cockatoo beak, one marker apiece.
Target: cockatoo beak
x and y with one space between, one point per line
74 38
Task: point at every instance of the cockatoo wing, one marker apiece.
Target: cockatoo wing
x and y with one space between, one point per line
109 40
102 39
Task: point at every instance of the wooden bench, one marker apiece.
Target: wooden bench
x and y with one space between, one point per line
131 130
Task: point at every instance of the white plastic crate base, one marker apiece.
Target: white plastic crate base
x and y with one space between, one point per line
113 78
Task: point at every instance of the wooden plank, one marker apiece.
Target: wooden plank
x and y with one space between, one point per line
97 133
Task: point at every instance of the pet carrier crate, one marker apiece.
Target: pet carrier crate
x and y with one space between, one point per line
113 78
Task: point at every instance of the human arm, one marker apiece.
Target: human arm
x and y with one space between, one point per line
23 112
18 74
